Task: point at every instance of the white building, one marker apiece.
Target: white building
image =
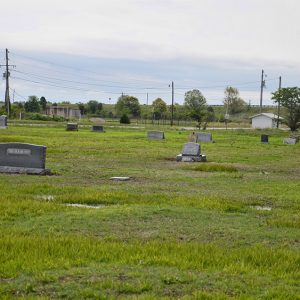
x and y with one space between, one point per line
265 120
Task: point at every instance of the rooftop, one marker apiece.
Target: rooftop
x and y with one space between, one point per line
268 115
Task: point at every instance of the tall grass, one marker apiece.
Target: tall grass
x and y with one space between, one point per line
32 253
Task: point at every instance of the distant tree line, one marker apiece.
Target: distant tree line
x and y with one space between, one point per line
195 107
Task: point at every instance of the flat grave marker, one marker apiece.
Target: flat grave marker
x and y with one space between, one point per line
119 178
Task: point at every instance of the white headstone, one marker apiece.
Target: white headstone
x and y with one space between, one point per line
290 141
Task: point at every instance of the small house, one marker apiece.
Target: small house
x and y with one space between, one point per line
265 120
65 111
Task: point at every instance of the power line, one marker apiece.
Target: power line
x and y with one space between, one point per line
73 88
18 94
85 83
222 86
78 69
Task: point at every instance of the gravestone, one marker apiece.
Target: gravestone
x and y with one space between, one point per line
204 137
191 153
290 141
193 137
296 137
72 127
264 138
23 158
98 128
3 122
189 149
156 135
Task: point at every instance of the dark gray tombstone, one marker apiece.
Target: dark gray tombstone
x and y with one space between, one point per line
3 122
23 158
204 137
156 135
98 128
72 127
264 138
191 153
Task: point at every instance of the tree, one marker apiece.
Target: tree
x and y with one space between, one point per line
43 103
289 98
128 105
92 106
124 119
232 101
210 115
195 104
82 108
32 104
159 108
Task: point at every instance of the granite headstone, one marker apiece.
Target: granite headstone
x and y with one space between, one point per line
23 158
72 127
290 141
204 137
156 135
191 149
264 138
191 153
3 122
98 128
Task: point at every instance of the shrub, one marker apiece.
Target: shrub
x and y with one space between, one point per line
124 119
41 117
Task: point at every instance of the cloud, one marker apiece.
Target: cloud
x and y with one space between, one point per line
155 29
196 42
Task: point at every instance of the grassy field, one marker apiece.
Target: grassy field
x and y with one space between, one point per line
225 229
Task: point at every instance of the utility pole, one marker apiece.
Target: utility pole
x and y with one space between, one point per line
147 98
7 100
278 108
262 85
172 107
6 76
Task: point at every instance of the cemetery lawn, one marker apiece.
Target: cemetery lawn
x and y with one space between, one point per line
225 229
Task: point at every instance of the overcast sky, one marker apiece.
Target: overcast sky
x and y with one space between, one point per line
96 49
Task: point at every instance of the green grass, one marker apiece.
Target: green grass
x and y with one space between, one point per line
175 230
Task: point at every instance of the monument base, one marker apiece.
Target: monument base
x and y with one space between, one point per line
191 158
29 171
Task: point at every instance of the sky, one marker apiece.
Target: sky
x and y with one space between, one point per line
95 50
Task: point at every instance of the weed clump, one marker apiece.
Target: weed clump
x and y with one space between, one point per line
215 168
